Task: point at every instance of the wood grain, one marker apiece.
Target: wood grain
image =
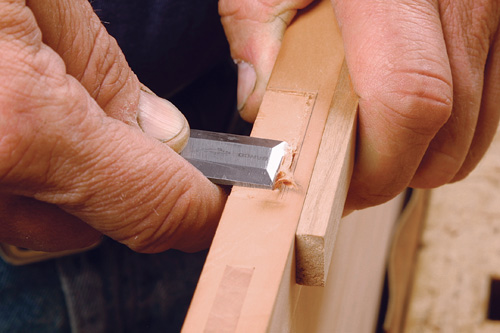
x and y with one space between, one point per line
325 199
350 300
402 258
257 229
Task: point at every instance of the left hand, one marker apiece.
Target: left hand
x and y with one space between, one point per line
79 155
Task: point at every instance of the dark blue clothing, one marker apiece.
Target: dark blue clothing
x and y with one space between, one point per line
108 289
178 49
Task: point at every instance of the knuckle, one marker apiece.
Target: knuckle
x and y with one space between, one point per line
416 101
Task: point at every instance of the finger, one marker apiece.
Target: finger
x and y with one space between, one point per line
23 220
123 184
397 59
489 114
254 30
40 226
35 225
92 56
468 28
58 146
160 119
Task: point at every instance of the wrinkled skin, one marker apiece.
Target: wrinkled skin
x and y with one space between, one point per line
427 74
74 163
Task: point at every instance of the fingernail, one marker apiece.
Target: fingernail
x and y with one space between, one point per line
160 119
246 82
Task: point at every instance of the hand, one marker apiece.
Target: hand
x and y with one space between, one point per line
75 162
428 77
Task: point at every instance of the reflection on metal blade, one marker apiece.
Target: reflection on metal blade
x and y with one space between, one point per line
229 159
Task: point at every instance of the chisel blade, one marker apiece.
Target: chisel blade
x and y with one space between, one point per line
229 159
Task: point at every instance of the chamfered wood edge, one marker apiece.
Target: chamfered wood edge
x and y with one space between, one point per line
325 198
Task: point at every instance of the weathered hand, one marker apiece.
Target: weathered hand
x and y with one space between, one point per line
428 77
74 162
254 30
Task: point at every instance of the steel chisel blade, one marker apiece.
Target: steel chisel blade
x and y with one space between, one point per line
229 159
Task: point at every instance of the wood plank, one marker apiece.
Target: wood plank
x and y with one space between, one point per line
257 229
350 300
325 199
402 258
459 254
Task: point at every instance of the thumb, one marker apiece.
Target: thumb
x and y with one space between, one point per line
254 30
91 55
160 119
59 147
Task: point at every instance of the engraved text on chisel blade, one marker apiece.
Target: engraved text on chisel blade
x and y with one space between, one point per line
234 159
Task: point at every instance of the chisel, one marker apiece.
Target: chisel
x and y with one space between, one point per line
225 159
229 159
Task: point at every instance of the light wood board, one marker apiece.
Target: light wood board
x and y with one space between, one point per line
402 258
459 254
350 300
248 282
324 204
256 234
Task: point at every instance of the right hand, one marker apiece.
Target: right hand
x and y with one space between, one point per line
427 74
74 162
